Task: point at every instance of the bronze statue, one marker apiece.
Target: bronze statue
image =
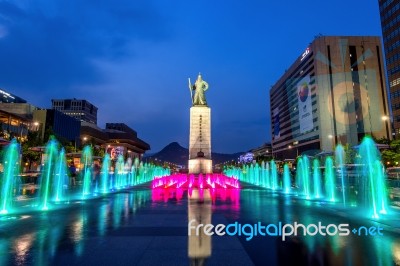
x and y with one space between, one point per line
199 88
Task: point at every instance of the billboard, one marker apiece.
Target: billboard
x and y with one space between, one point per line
115 151
305 104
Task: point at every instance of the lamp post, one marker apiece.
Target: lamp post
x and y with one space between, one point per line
330 136
38 128
385 119
290 148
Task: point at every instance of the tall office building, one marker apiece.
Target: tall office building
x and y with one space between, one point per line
80 109
390 21
333 93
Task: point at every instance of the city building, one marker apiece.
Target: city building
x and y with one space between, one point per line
117 139
16 116
14 126
390 21
264 151
333 93
64 127
6 97
124 140
21 109
82 110
91 133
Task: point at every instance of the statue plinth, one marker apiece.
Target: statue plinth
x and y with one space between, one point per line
200 140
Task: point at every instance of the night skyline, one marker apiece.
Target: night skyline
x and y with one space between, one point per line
132 60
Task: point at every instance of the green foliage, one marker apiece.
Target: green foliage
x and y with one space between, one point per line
262 158
69 147
382 141
98 151
391 157
395 145
28 155
350 154
47 134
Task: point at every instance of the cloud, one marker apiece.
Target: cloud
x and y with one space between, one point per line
53 45
3 31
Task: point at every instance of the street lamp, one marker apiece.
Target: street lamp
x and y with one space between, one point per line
38 128
385 119
330 136
84 139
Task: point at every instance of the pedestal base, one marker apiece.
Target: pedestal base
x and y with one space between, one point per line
200 165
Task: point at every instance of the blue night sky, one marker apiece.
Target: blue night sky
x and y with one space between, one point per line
132 58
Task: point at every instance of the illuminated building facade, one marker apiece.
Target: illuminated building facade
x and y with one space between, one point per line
333 93
82 110
390 21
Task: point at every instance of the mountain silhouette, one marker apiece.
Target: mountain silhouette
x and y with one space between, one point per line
177 154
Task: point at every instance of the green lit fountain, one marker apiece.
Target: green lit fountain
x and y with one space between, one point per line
48 173
9 181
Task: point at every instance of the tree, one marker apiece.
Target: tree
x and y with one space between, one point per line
382 140
28 155
391 157
98 151
69 147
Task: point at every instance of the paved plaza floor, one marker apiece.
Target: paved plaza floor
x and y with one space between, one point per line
145 227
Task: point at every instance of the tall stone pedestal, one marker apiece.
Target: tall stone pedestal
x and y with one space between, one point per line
200 140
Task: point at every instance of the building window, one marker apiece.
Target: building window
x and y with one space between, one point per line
394 82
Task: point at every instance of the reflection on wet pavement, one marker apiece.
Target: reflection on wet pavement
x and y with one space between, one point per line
148 227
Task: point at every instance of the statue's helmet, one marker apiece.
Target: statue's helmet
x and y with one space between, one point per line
199 77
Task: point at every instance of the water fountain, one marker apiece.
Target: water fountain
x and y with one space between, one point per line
267 176
330 185
53 183
60 182
317 179
119 173
9 182
372 192
274 176
105 185
208 181
48 173
257 174
368 186
86 175
340 160
286 178
303 176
